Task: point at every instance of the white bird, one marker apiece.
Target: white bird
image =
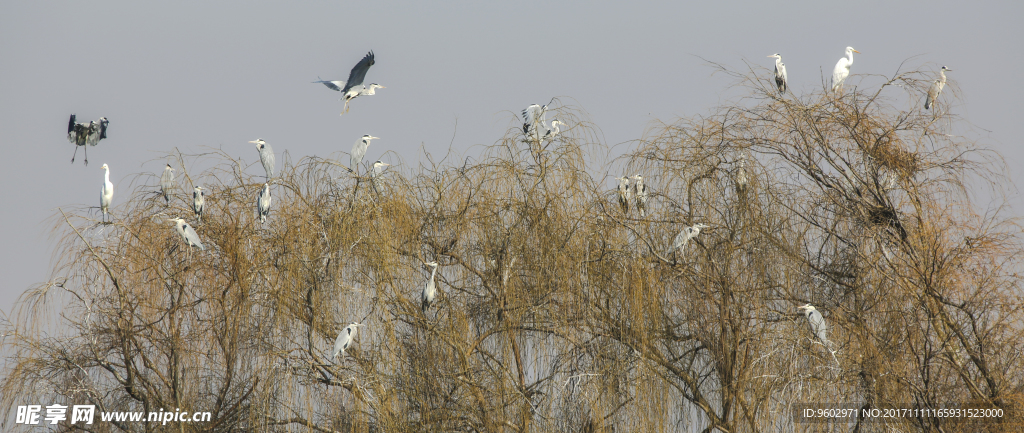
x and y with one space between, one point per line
554 129
816 323
187 233
842 70
684 237
933 92
107 193
359 151
781 80
198 202
266 156
263 203
741 172
353 88
90 133
533 118
167 182
429 288
344 340
624 194
640 192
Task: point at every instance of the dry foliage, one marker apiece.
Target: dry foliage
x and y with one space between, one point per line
556 311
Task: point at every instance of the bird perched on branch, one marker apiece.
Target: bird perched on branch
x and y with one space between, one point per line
842 70
187 233
266 156
359 151
430 287
933 92
625 196
345 338
167 182
90 133
198 202
684 237
533 119
107 193
781 81
263 203
640 192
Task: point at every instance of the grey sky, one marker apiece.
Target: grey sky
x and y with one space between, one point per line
191 74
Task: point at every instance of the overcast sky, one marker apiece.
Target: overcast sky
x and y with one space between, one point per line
190 74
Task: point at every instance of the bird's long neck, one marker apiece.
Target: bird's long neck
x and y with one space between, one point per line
849 58
433 270
942 73
106 175
778 63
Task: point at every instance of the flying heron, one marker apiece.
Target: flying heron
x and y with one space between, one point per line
90 133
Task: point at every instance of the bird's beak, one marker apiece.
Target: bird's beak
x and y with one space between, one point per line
375 138
858 52
772 55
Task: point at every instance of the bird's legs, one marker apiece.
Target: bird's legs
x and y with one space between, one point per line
86 150
74 155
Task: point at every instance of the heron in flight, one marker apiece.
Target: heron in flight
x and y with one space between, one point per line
167 182
344 340
107 193
937 85
187 233
624 194
90 133
353 88
359 151
640 192
780 73
429 288
263 203
684 237
842 70
198 202
266 156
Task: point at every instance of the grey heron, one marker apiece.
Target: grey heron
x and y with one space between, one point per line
263 203
353 88
107 193
554 129
640 192
937 85
198 202
781 80
167 182
624 194
187 233
375 172
842 70
359 151
684 237
533 118
344 340
81 134
817 325
430 287
741 172
266 156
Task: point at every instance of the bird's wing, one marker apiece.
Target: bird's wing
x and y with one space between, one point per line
355 77
331 84
103 129
167 177
818 325
71 125
338 344
268 158
95 133
193 237
533 114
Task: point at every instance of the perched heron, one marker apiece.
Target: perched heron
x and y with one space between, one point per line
780 73
817 324
359 151
533 118
107 193
266 156
187 233
375 172
344 340
640 192
842 70
198 202
624 193
263 203
933 92
353 88
684 237
430 288
90 133
167 182
554 129
741 172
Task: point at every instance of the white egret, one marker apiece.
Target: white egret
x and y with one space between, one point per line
640 192
684 237
429 288
167 182
842 70
263 203
359 151
344 340
781 80
198 202
353 88
554 130
624 193
107 193
266 156
933 92
533 118
90 133
187 233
